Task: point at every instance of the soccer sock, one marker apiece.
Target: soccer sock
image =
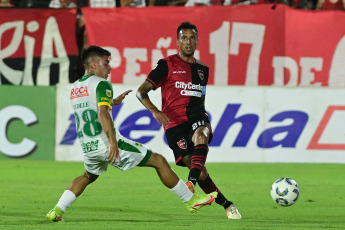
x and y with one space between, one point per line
208 186
66 200
197 162
181 190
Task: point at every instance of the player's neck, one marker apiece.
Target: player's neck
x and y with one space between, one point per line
186 58
94 73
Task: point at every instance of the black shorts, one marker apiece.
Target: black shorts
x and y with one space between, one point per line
180 137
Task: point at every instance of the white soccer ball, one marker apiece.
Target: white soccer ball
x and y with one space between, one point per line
285 191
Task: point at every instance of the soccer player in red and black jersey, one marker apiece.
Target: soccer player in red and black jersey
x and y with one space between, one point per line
183 81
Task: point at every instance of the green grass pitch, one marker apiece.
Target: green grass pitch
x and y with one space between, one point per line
137 200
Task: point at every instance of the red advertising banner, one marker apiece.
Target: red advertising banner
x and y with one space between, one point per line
37 46
243 45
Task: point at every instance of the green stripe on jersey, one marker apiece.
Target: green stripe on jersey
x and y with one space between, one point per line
127 147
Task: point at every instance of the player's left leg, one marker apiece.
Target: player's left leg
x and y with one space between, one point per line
70 195
79 184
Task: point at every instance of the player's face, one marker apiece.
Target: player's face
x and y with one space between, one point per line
187 41
102 67
64 3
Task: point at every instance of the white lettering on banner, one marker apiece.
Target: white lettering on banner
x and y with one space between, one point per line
29 42
163 43
219 46
253 34
13 76
307 75
52 36
29 53
279 63
157 53
133 55
7 115
242 33
337 69
115 60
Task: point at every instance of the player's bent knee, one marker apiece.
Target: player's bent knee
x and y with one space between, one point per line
156 160
90 177
187 160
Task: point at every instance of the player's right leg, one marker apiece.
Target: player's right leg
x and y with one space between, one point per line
70 195
175 184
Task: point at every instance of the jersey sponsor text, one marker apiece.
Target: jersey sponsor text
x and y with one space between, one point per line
189 85
79 92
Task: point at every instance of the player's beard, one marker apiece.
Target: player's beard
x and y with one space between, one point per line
188 54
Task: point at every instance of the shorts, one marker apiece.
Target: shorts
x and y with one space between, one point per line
132 154
180 137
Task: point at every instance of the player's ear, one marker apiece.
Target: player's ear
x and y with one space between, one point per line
93 64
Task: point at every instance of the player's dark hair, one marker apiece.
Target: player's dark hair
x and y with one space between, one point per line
94 51
186 25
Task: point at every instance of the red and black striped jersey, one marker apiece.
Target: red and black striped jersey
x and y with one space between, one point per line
183 88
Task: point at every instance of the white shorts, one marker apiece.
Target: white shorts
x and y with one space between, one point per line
132 154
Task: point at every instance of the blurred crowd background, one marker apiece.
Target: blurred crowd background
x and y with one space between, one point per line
300 4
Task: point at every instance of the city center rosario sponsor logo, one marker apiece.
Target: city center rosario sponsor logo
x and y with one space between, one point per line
79 92
189 88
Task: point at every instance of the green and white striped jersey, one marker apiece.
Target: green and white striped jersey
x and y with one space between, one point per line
87 94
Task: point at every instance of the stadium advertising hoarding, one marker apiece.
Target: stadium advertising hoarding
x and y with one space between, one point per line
37 46
243 45
27 122
250 124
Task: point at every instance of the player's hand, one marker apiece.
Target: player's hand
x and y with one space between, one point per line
161 118
113 154
120 98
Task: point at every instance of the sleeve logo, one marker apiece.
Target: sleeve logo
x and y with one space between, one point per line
201 74
108 92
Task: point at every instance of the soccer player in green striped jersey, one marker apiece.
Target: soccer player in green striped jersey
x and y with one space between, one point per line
102 144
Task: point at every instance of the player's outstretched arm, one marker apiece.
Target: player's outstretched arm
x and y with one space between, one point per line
142 95
120 98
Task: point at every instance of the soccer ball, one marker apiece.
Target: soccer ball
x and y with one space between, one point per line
285 191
